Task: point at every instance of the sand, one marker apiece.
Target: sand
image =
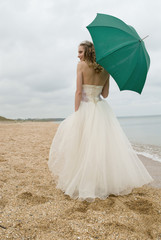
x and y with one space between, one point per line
32 208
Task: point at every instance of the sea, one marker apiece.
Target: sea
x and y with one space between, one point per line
144 133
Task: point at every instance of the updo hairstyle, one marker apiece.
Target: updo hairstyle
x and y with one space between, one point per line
90 56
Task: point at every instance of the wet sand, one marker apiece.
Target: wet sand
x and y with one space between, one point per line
32 208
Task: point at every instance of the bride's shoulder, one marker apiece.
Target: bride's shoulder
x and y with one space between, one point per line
82 63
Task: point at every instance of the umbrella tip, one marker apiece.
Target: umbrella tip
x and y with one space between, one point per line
143 38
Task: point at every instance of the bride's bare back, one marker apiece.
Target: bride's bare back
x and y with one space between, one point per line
91 77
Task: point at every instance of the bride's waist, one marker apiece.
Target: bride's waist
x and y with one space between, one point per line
94 99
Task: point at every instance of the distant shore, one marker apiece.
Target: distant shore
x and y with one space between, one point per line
3 119
61 119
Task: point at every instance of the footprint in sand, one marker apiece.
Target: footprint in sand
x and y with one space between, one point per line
19 169
119 226
98 205
141 206
33 199
2 159
3 203
79 208
141 194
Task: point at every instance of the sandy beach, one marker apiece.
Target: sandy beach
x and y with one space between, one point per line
31 207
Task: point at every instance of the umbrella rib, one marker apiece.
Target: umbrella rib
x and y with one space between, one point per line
123 87
130 76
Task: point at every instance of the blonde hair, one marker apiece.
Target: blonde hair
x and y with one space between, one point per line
90 56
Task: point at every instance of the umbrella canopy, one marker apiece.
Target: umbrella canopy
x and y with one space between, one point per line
121 51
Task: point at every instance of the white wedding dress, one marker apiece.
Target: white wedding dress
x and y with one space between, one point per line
90 156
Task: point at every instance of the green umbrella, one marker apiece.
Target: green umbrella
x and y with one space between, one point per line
121 51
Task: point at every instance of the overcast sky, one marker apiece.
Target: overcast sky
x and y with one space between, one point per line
38 55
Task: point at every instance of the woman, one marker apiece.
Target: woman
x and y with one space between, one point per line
90 156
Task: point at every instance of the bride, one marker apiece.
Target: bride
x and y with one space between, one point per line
90 156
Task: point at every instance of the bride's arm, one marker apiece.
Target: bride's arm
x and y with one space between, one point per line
78 93
105 90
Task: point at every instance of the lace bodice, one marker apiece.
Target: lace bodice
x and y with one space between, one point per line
91 93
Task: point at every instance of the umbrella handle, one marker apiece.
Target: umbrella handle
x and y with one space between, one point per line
143 38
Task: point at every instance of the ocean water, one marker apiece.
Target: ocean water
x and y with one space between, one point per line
144 133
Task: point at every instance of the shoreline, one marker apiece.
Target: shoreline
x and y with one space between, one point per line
151 157
154 169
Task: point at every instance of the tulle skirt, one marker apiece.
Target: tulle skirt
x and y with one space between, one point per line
91 157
